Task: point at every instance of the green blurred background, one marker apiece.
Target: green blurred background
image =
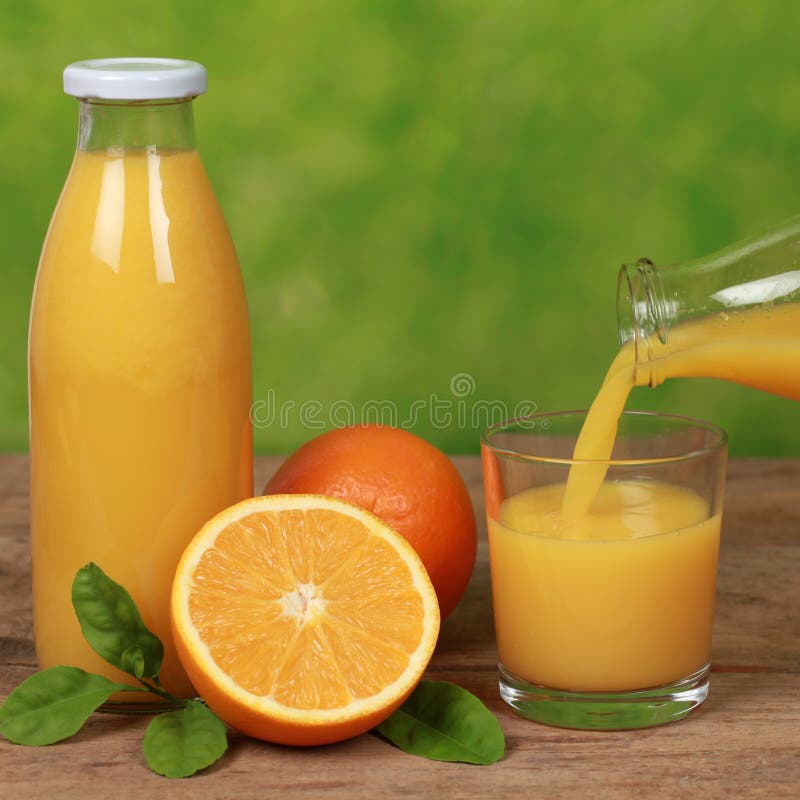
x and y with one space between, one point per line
423 189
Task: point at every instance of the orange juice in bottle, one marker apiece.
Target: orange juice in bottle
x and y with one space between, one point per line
139 357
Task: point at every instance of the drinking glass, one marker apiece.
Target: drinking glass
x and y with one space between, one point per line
603 617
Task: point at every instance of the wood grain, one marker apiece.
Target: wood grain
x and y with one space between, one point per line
744 743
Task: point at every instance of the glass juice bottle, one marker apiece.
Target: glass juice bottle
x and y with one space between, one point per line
733 315
139 357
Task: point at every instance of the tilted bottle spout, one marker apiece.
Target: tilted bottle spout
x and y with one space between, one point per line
763 271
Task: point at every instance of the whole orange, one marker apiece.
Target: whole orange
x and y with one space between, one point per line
405 481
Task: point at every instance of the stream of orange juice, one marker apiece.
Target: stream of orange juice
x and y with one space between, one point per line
604 586
140 387
758 347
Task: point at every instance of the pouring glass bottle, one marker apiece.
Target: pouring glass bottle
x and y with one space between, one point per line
139 357
733 315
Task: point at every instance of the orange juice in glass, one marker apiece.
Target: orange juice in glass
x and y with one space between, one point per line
604 620
139 357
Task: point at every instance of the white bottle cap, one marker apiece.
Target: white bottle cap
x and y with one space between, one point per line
135 78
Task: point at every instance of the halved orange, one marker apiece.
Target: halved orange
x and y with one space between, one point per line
302 619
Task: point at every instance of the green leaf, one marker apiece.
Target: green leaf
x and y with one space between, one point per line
53 704
444 722
112 625
179 743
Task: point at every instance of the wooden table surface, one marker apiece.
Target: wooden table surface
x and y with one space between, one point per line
744 742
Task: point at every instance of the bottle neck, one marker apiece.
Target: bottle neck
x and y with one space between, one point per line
643 318
122 124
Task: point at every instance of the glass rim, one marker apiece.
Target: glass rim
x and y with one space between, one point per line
719 443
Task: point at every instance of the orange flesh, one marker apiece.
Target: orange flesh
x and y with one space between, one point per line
307 607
